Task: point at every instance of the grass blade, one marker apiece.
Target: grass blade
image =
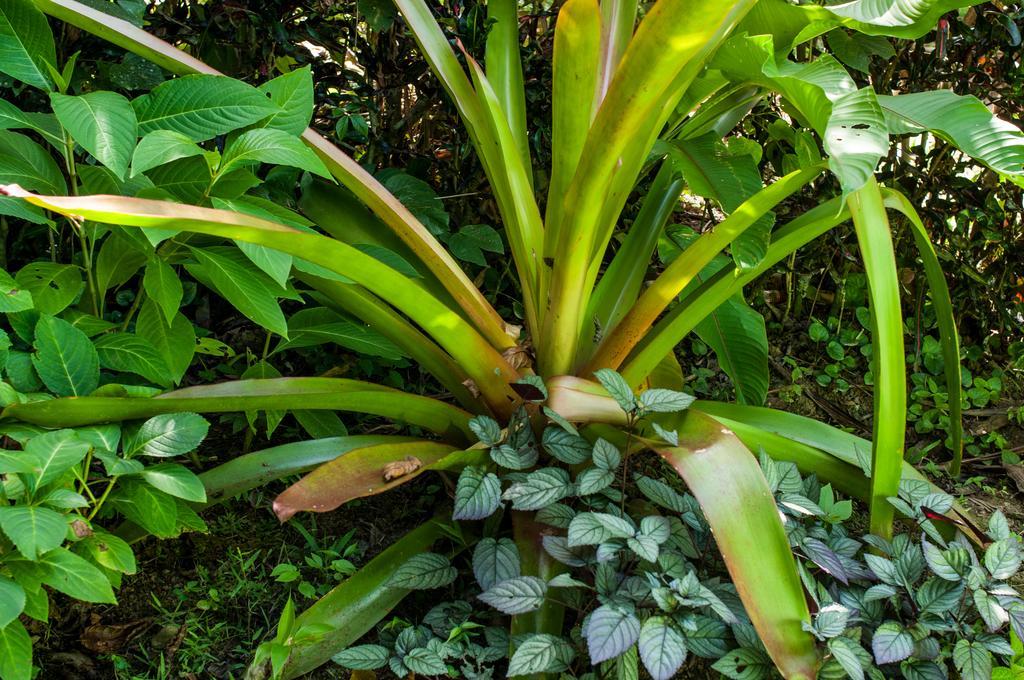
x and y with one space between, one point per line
890 390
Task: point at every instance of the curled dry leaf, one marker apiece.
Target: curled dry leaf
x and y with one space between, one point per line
401 468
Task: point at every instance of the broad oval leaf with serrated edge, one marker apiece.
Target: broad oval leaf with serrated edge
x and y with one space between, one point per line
516 595
424 571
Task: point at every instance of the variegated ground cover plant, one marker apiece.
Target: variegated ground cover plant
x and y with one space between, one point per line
636 91
642 587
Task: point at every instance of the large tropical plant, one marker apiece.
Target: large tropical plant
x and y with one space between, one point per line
631 99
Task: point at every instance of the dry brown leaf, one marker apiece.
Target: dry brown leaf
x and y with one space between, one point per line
401 468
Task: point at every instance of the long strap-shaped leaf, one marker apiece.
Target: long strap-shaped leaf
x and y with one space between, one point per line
574 74
673 37
684 268
363 472
253 395
727 482
890 388
806 432
505 69
495 143
252 470
355 606
356 300
943 306
682 319
344 168
490 371
621 283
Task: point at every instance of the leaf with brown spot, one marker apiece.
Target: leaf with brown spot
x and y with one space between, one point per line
365 472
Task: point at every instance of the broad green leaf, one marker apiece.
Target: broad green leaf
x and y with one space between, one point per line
1002 558
201 106
132 354
972 660
606 455
849 121
592 528
175 343
15 652
293 94
541 653
964 121
424 571
53 286
24 162
494 561
662 648
249 290
416 195
736 333
888 16
103 123
540 488
891 643
119 259
477 494
594 480
147 506
65 358
617 387
108 551
486 429
162 146
167 435
469 243
75 577
53 453
12 600
425 661
362 657
176 480
847 653
517 595
163 286
726 173
856 51
33 529
267 145
273 263
744 664
316 326
26 44
565 446
610 631
12 297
